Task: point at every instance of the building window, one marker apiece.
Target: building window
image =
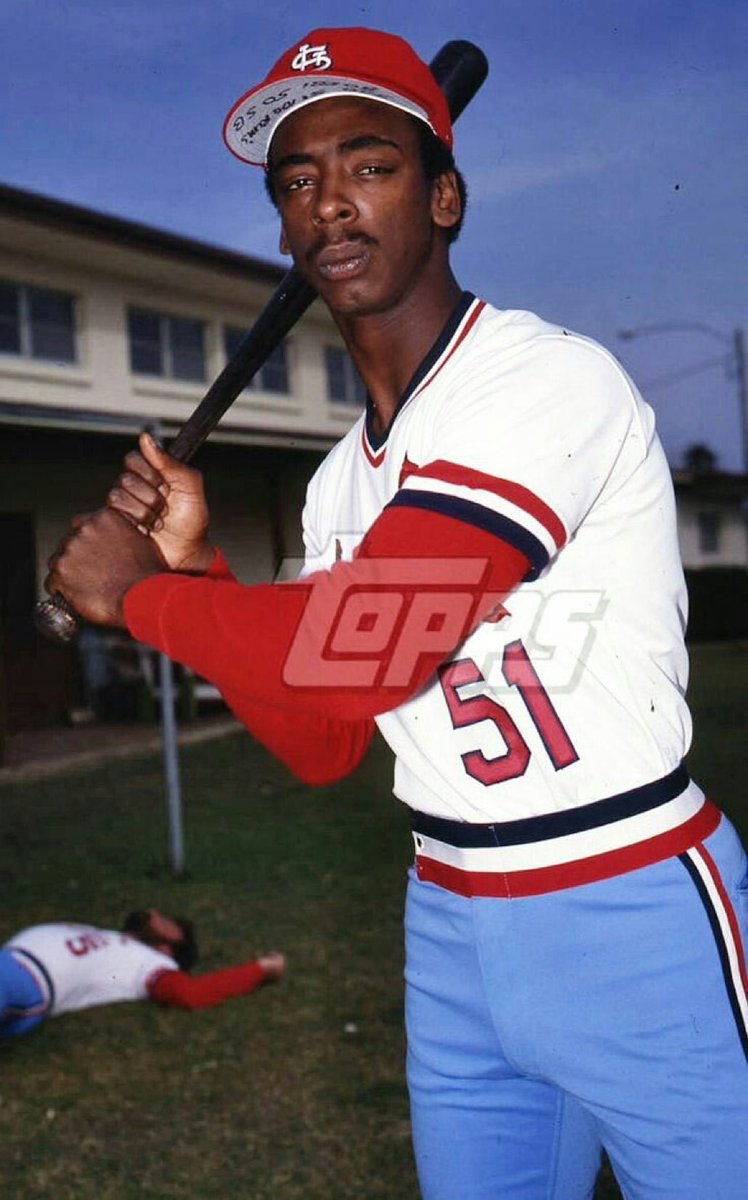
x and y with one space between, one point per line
37 323
273 375
344 384
709 526
173 347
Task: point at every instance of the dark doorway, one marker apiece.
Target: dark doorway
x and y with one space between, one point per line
17 576
34 674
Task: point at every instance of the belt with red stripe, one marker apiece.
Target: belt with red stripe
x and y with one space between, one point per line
560 850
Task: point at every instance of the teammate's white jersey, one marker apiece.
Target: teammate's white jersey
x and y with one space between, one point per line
78 966
519 427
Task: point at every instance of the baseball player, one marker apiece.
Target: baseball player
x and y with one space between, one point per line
492 578
63 966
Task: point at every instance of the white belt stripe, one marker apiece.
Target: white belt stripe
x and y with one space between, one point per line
570 847
718 908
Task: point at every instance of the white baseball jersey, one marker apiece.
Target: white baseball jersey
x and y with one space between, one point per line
79 966
521 428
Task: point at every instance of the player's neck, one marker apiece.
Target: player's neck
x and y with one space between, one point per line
388 347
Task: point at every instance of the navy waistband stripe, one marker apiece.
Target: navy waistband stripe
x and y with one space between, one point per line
554 825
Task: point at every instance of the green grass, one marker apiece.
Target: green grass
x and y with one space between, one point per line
268 1096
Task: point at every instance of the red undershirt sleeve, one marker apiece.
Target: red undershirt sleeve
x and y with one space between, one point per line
318 750
181 990
220 569
420 582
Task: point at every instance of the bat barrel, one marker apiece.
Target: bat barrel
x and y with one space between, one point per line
459 68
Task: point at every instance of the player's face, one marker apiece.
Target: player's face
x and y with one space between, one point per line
358 215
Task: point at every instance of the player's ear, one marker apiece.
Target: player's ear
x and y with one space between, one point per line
446 208
283 245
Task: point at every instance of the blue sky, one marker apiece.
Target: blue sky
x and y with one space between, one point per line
605 154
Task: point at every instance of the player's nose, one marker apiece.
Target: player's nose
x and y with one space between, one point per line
333 201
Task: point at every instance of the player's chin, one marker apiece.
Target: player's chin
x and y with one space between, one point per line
356 298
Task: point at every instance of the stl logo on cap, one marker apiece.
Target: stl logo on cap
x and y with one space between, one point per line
367 63
308 56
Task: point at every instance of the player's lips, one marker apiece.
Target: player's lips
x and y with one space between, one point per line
344 259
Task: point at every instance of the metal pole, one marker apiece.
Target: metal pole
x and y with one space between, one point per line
169 739
739 348
3 702
171 763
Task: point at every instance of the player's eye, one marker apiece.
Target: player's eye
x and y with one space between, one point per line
375 169
296 184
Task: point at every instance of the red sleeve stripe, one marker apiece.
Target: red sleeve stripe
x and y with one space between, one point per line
494 508
504 489
479 517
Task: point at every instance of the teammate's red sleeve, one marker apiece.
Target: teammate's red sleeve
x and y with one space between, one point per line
181 990
421 581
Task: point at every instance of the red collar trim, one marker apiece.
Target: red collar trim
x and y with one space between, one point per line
376 457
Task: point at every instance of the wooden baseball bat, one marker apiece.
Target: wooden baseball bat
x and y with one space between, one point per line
459 68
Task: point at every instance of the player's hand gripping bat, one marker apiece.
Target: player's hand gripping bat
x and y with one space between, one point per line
459 68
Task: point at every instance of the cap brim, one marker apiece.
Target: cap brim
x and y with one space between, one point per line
251 124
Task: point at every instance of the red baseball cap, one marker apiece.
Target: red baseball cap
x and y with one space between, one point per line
336 62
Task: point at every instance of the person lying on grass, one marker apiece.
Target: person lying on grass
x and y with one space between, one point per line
60 967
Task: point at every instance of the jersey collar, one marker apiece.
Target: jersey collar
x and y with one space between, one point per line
376 442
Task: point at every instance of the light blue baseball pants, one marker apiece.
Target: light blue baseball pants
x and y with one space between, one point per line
610 1015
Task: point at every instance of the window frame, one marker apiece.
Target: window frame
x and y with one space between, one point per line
28 327
709 525
354 385
164 345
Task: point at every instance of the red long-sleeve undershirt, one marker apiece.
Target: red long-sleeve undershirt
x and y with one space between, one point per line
270 648
181 990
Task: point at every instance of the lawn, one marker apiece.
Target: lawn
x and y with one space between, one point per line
297 1091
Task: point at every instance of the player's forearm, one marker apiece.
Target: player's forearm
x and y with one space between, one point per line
318 751
303 648
180 990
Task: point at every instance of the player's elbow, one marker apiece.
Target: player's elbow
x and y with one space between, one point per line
321 776
177 1000
187 1003
174 989
321 761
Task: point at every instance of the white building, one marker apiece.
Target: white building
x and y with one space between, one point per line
107 326
712 518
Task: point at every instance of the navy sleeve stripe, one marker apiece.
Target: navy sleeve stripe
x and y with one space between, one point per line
480 517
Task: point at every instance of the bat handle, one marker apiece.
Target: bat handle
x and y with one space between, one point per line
56 619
